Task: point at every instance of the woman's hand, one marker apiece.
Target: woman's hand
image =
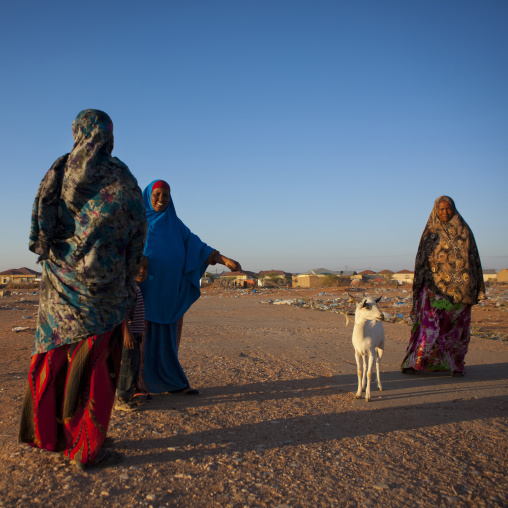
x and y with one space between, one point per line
128 338
217 257
233 265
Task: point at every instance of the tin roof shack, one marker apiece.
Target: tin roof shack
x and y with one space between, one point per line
404 276
205 281
368 275
489 275
502 275
19 275
345 277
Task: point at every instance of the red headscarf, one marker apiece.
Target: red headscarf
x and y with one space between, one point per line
160 184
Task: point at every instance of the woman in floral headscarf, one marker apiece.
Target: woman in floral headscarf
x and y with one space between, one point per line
448 280
88 227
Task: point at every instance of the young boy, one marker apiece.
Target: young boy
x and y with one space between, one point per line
134 326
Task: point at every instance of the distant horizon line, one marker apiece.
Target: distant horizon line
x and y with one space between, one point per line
38 268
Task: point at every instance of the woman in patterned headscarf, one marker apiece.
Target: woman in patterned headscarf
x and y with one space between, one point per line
448 280
88 227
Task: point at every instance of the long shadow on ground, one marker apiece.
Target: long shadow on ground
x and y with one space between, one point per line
362 420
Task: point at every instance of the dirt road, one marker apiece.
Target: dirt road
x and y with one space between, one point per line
276 423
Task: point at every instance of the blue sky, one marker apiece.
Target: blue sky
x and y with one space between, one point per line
294 134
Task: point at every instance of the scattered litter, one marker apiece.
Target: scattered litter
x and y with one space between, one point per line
345 305
282 302
20 328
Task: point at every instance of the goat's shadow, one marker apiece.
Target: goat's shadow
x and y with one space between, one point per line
406 386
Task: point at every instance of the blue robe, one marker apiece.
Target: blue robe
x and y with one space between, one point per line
176 262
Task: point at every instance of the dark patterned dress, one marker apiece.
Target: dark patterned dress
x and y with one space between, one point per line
448 281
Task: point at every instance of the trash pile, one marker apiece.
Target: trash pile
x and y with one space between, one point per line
395 305
347 306
489 335
497 297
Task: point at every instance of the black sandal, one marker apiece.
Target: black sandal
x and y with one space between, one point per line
143 395
108 442
409 370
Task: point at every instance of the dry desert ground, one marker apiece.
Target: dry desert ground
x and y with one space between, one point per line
277 423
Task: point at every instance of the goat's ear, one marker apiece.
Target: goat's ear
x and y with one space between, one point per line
378 299
364 301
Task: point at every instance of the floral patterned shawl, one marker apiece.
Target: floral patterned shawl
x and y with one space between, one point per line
447 261
88 227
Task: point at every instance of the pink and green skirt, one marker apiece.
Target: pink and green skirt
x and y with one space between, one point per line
440 336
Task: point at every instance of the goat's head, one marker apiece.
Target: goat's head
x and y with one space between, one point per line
367 310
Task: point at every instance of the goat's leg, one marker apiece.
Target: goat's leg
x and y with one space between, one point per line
369 376
364 375
359 372
378 373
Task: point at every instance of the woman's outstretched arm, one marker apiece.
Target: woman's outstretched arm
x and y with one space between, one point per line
216 257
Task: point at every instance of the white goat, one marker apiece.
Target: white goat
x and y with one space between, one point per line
368 341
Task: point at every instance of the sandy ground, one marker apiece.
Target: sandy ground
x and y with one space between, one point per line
276 423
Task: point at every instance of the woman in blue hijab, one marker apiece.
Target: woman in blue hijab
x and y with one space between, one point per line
177 261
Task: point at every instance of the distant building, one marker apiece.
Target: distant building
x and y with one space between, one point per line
303 280
405 276
272 277
311 279
489 274
502 275
242 279
234 276
314 278
17 275
368 275
386 273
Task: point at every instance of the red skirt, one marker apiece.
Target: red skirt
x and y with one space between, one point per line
70 395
